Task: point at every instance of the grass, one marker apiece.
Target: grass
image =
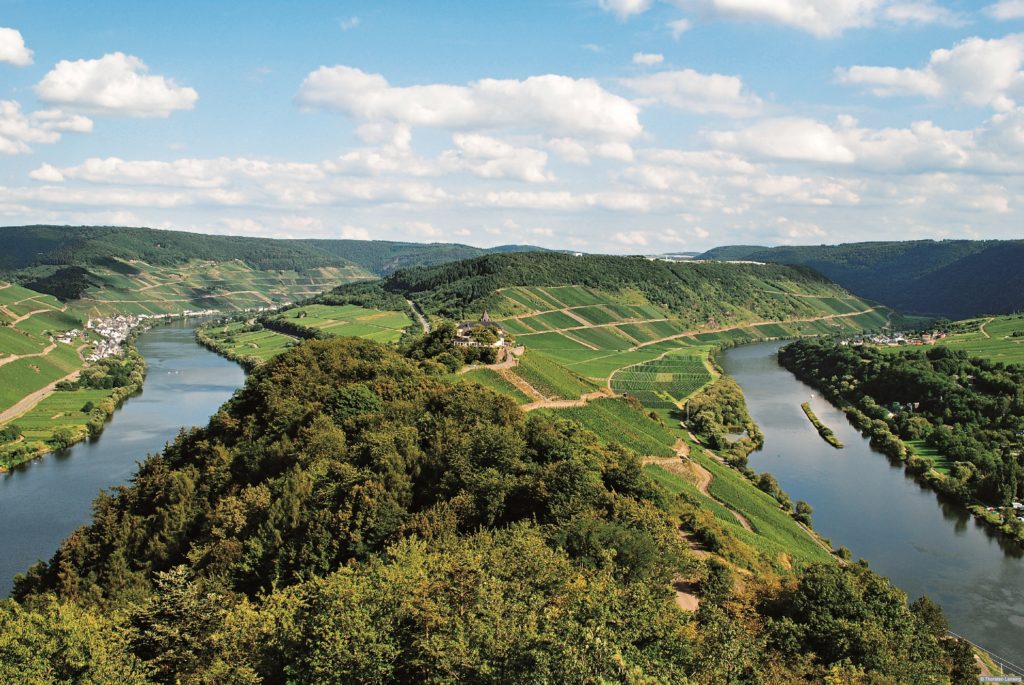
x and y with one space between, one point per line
550 378
940 462
775 526
824 431
1001 345
57 410
495 381
664 383
615 421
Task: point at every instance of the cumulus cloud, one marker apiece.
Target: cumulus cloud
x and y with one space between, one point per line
12 48
492 158
113 84
695 92
624 9
1006 10
647 58
976 71
557 105
18 131
822 18
48 173
678 27
634 238
995 147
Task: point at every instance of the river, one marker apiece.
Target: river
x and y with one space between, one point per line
43 501
867 504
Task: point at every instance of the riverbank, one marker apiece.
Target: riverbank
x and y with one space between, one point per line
46 499
887 434
77 407
926 545
824 431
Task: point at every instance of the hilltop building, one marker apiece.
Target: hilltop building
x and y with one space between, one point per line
482 333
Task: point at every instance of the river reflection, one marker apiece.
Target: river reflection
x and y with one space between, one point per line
863 501
43 501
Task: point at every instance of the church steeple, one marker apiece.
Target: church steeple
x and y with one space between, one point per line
486 318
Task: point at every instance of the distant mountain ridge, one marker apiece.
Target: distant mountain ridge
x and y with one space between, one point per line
24 247
694 292
954 278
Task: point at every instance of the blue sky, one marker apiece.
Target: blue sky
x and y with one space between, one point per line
603 125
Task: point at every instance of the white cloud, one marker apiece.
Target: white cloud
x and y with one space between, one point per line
624 9
12 48
570 150
558 105
353 233
348 24
695 92
1006 9
997 146
48 173
826 18
975 71
113 84
491 158
647 58
678 27
634 238
18 131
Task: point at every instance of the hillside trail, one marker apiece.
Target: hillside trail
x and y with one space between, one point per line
418 313
15 357
28 402
582 401
723 329
985 323
32 313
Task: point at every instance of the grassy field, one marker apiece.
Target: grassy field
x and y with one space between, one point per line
237 340
940 462
496 382
778 530
615 421
350 320
1000 344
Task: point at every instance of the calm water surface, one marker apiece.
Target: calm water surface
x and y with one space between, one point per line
862 501
42 502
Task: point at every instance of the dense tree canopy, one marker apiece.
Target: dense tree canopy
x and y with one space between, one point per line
351 516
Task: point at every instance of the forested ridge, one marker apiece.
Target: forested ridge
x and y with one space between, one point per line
350 516
694 291
969 410
23 247
954 278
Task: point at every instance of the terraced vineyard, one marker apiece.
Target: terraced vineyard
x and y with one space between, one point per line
664 383
140 288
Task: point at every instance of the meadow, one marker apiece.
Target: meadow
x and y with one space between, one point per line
999 338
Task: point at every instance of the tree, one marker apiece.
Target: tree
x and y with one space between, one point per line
803 513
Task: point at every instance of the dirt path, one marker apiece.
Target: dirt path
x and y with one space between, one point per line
34 312
722 329
599 325
581 341
28 402
985 323
583 400
522 386
16 357
418 313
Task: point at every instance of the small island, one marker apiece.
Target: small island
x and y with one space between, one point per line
824 431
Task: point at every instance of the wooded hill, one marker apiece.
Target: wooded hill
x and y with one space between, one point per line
953 278
694 292
23 247
349 516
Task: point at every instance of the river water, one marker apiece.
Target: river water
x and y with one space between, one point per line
43 501
867 504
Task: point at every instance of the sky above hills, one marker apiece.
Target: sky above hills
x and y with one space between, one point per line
618 126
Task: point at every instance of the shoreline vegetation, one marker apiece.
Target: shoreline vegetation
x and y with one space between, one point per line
824 431
123 376
908 436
